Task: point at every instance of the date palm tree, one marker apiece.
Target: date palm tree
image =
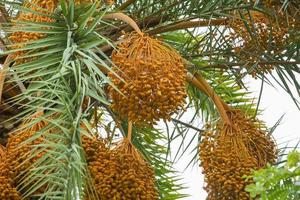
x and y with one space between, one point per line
62 66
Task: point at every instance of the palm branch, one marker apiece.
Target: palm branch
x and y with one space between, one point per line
66 78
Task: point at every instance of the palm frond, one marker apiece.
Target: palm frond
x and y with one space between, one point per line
150 142
61 73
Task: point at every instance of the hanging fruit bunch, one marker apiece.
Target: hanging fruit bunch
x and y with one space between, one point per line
17 162
19 39
286 16
261 35
120 172
149 84
41 7
228 152
231 149
7 191
153 85
18 158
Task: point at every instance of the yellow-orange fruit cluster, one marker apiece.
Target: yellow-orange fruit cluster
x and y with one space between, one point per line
7 191
267 33
290 10
17 161
41 6
18 156
91 147
120 174
21 38
154 80
230 152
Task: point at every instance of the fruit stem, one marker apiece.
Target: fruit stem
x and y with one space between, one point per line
3 72
124 18
209 89
198 81
129 133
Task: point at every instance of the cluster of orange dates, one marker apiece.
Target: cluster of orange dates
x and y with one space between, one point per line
7 191
256 34
150 78
17 158
118 173
231 151
153 80
17 161
20 38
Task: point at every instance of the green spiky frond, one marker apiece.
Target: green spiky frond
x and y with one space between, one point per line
60 74
65 77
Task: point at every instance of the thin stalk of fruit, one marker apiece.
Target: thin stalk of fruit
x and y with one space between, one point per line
202 85
124 18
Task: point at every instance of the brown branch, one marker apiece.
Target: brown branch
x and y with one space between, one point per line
187 24
125 19
150 22
228 65
6 108
153 21
209 90
2 45
3 72
147 22
3 16
129 132
202 86
126 4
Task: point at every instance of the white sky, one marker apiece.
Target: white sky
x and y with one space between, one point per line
275 103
